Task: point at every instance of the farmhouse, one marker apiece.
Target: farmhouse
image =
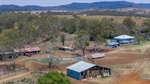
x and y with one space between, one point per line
124 39
82 70
111 44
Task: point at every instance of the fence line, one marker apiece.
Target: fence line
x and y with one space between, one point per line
61 58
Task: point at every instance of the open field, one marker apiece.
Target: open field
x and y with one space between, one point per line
118 19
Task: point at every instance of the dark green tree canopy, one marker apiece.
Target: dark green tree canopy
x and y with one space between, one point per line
146 27
63 39
10 38
129 23
53 77
81 40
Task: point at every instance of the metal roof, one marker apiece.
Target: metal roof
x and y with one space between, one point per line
112 43
98 55
80 66
6 52
27 49
124 37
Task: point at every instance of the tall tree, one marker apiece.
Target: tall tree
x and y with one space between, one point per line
10 39
54 33
130 24
138 34
81 40
95 31
100 29
63 39
146 27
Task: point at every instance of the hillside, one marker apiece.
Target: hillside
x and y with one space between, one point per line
103 5
78 6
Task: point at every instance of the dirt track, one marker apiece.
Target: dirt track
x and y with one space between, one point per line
14 77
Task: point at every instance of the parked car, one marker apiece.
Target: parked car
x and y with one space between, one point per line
28 54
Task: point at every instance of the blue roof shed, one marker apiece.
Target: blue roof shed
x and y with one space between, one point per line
80 70
75 69
111 44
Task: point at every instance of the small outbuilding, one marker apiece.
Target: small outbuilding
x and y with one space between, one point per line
82 70
111 44
8 55
124 39
148 39
98 55
65 48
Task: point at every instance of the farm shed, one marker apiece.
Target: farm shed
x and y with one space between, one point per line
124 39
148 39
111 44
65 48
8 55
98 55
82 70
31 50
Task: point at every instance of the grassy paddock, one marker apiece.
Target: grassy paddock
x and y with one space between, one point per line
136 45
118 19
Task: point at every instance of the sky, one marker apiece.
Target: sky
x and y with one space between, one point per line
57 2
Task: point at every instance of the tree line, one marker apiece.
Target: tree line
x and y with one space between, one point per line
115 13
18 29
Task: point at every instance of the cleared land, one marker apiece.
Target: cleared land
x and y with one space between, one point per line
118 19
129 65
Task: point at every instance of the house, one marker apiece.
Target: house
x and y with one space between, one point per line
82 70
111 44
124 39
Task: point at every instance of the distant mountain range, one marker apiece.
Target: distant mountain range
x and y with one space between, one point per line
79 6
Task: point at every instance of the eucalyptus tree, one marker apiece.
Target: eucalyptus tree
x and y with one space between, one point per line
10 39
63 39
146 27
100 29
128 22
138 34
54 33
81 40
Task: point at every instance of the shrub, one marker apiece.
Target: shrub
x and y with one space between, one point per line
53 77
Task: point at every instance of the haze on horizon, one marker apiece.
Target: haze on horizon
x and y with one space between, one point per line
57 3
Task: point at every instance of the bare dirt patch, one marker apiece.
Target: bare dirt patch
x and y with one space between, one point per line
35 66
117 58
131 78
144 72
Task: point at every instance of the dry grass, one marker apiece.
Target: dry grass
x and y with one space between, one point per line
144 73
118 19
